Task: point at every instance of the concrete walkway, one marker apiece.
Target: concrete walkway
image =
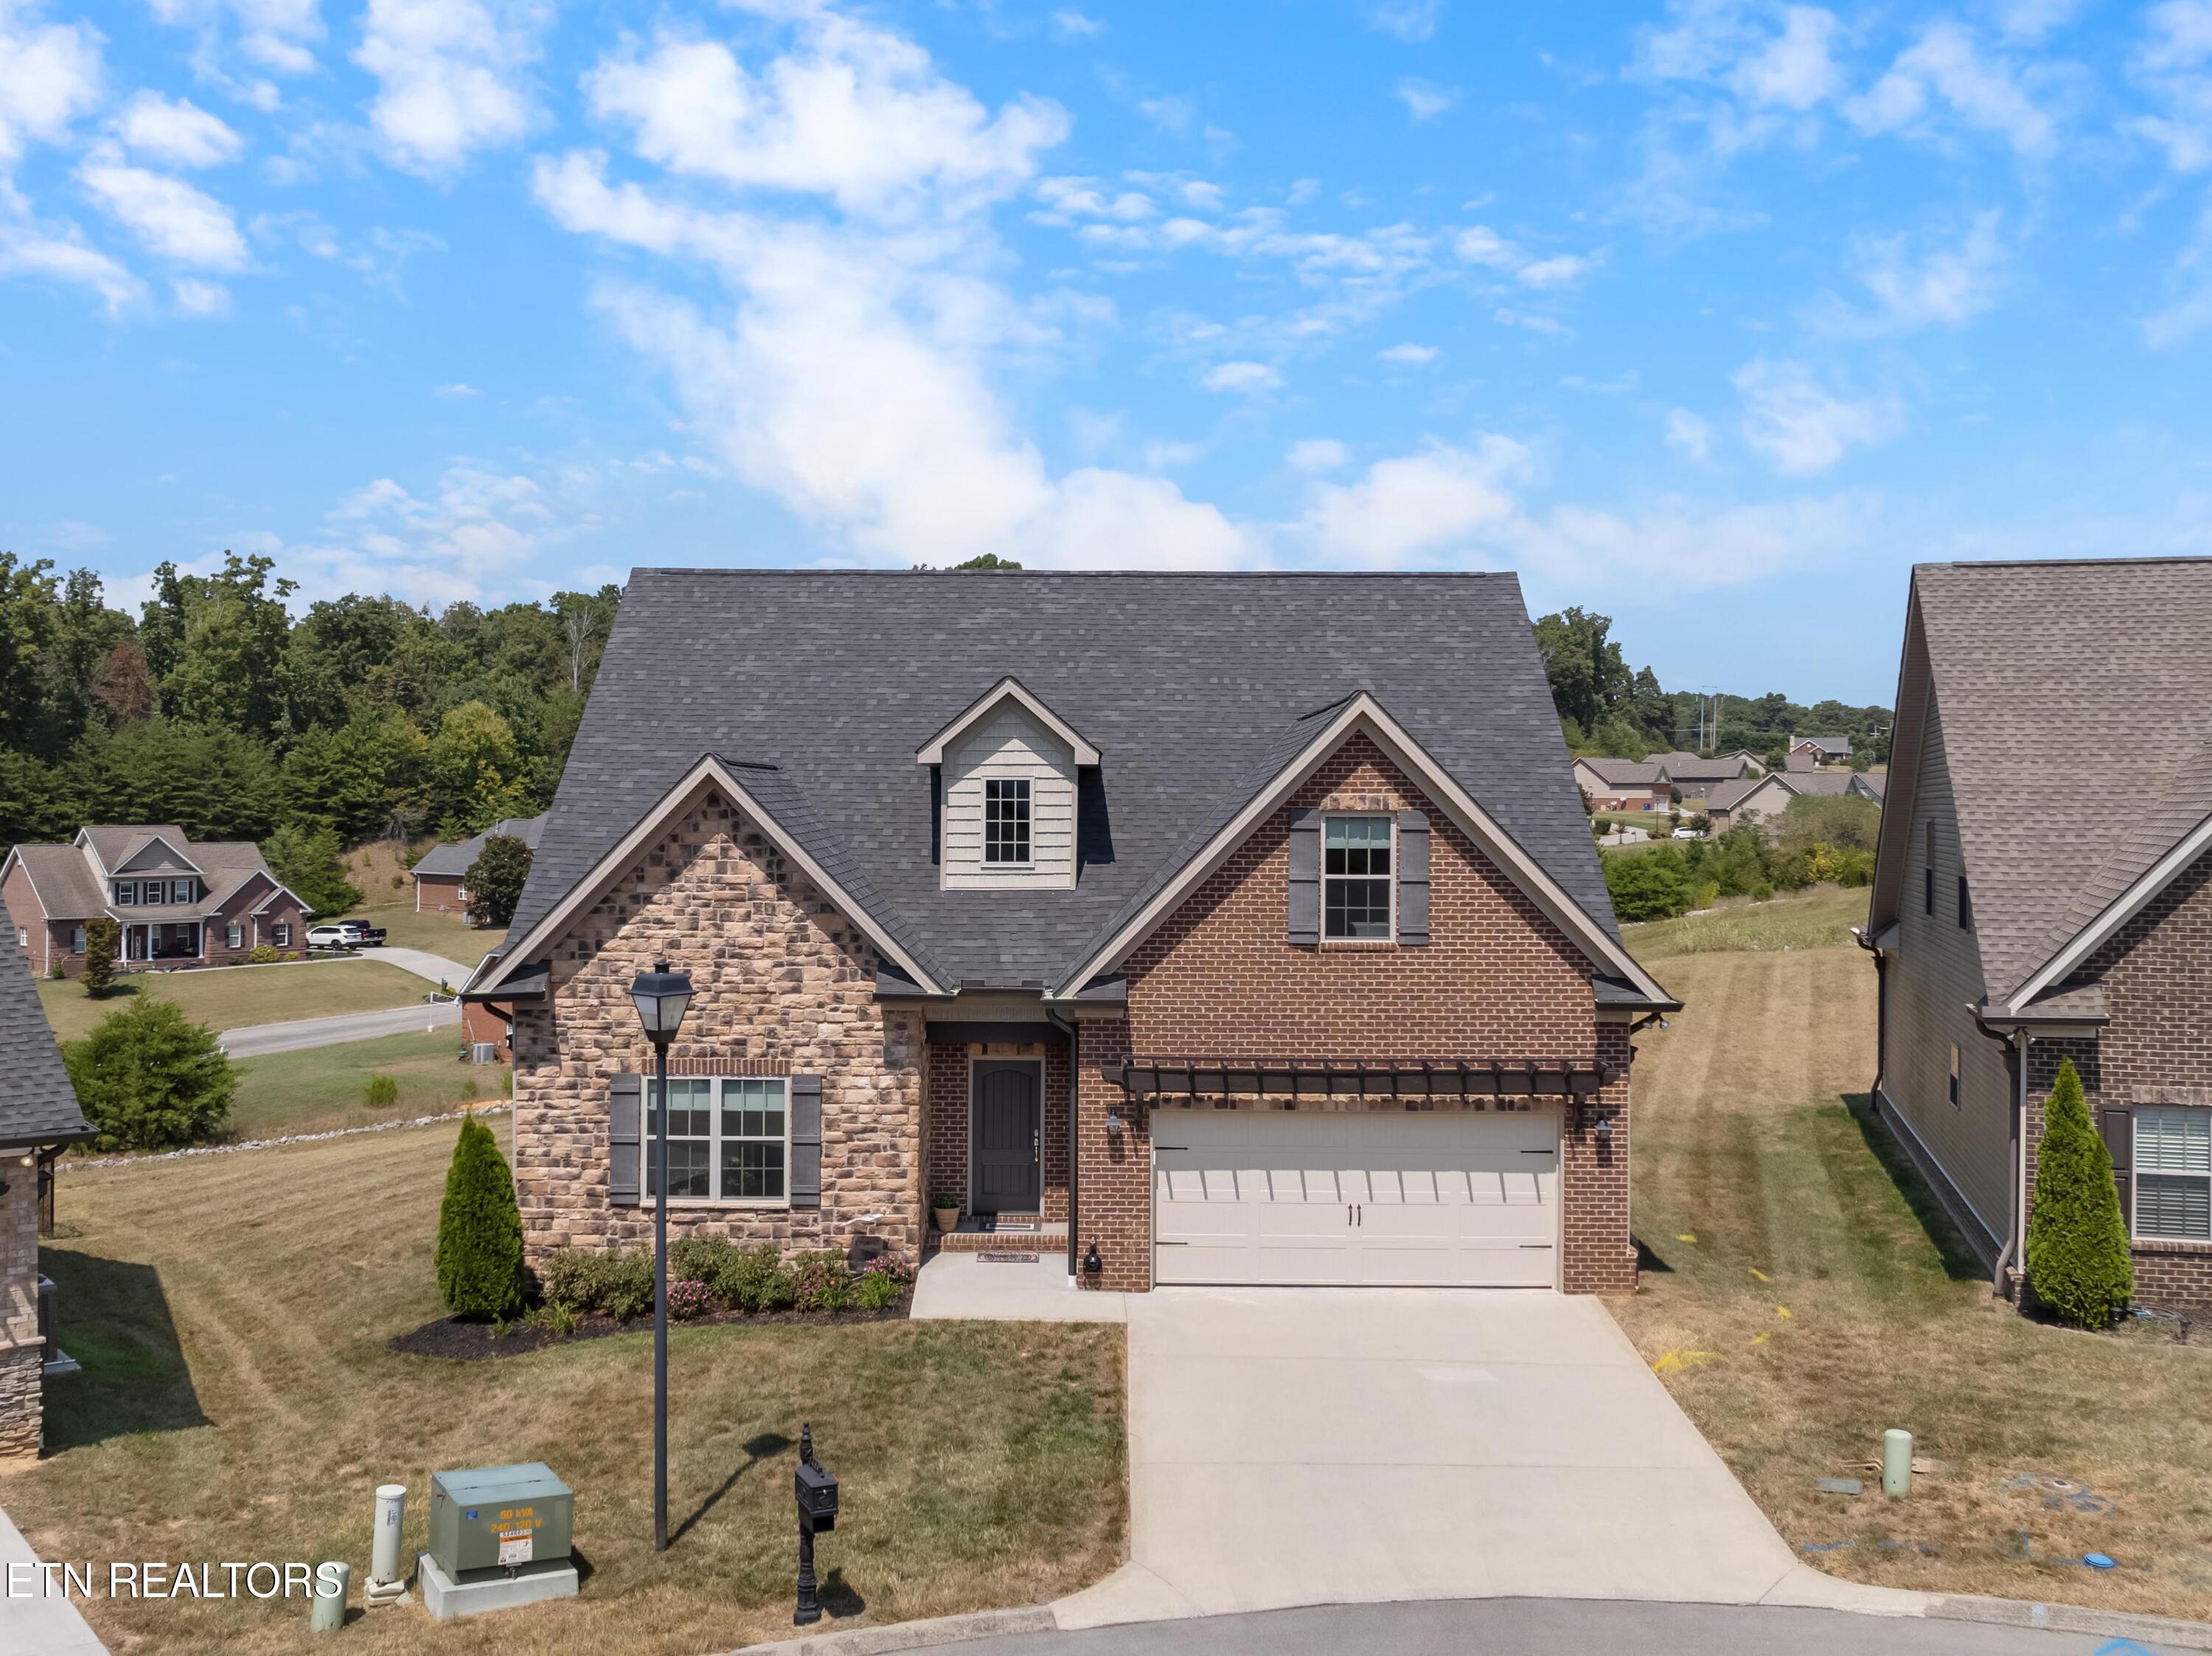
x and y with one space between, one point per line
966 1285
30 1620
260 1040
424 964
1305 1446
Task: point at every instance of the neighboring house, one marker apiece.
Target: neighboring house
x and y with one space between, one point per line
1623 783
1797 760
1756 798
2013 928
488 1026
1867 785
1223 958
1823 750
178 901
39 1114
440 878
1696 776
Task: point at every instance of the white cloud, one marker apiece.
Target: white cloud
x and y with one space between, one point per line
274 35
50 74
1241 377
1801 426
849 374
178 132
1691 433
1677 543
1945 286
457 392
1409 355
64 255
1069 199
1074 25
2174 64
1423 100
1317 454
1410 20
1417 505
1480 245
2191 313
452 77
1173 116
196 298
853 112
2030 21
1793 70
173 219
1986 92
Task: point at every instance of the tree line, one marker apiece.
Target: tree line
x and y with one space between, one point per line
1607 709
214 709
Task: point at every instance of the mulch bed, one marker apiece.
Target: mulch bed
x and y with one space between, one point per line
461 1341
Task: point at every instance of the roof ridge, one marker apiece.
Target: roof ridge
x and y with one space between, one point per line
2064 563
1092 575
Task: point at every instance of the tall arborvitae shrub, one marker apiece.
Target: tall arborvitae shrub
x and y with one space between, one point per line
2077 1242
102 937
479 1230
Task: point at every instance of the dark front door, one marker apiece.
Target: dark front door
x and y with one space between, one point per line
1007 1119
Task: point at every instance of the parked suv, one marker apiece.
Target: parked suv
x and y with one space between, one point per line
337 934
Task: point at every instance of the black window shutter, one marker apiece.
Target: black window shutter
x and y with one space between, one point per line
622 1139
2116 1122
806 1141
1305 876
1413 877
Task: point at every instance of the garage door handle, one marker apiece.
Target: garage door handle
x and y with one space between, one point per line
1545 1247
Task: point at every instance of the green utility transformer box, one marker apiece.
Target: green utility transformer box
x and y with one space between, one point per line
499 1519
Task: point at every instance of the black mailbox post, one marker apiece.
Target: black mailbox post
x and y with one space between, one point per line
815 1490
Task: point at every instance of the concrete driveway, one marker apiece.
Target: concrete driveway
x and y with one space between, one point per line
258 1040
1300 1447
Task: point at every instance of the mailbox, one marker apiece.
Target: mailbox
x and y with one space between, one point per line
817 1490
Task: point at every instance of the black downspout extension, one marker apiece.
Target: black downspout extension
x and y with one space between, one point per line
1074 1114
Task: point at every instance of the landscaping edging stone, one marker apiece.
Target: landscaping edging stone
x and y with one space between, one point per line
91 1162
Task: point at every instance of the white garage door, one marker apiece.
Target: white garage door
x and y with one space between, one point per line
1428 1199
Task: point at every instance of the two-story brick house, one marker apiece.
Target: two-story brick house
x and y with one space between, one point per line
1243 929
176 901
2013 929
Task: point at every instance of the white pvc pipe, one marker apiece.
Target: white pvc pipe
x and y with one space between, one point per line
384 1547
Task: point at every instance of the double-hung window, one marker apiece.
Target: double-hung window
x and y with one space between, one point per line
126 893
234 935
1356 878
279 933
180 891
728 1138
76 940
2173 1172
1006 819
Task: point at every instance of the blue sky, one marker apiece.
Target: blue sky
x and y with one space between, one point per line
1715 317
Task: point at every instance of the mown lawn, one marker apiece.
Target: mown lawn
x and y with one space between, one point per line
239 1402
1819 917
322 1087
232 997
1763 1187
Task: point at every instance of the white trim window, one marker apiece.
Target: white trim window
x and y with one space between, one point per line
126 893
180 891
280 934
234 935
2173 1172
1007 821
729 1139
1355 879
76 940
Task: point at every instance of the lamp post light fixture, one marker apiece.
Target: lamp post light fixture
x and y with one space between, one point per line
662 996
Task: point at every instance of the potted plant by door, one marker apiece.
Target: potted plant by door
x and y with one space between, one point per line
946 1211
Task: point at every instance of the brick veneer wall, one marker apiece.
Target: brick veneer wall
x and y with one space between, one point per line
2156 1049
1499 980
948 1113
20 1351
783 984
439 894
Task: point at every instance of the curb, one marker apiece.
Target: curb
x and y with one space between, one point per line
912 1635
2072 1618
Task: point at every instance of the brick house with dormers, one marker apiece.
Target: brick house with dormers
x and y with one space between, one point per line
1221 928
2011 932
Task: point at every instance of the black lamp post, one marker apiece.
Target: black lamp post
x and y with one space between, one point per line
662 997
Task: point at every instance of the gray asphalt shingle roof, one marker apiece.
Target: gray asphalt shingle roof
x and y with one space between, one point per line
458 858
2107 656
38 1106
1188 682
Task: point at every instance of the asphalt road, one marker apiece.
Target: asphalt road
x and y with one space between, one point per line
260 1040
1507 1627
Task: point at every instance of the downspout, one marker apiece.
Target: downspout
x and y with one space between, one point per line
1074 1115
1881 1011
2015 1059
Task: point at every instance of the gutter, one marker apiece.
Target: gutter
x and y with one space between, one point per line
1066 1026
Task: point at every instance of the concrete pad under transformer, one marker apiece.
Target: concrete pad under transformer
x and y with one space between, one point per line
445 1597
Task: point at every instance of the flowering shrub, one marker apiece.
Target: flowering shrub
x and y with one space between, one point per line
689 1300
820 1282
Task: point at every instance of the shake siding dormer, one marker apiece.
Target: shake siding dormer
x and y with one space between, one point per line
1007 774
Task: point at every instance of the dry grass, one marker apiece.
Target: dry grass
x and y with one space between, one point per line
322 1087
1819 917
239 1402
377 868
230 997
1752 1137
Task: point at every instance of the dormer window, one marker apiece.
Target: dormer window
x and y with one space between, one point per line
1007 779
1007 821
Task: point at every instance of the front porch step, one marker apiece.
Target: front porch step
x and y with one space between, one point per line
1050 1237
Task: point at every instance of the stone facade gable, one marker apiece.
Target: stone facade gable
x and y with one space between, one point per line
783 984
